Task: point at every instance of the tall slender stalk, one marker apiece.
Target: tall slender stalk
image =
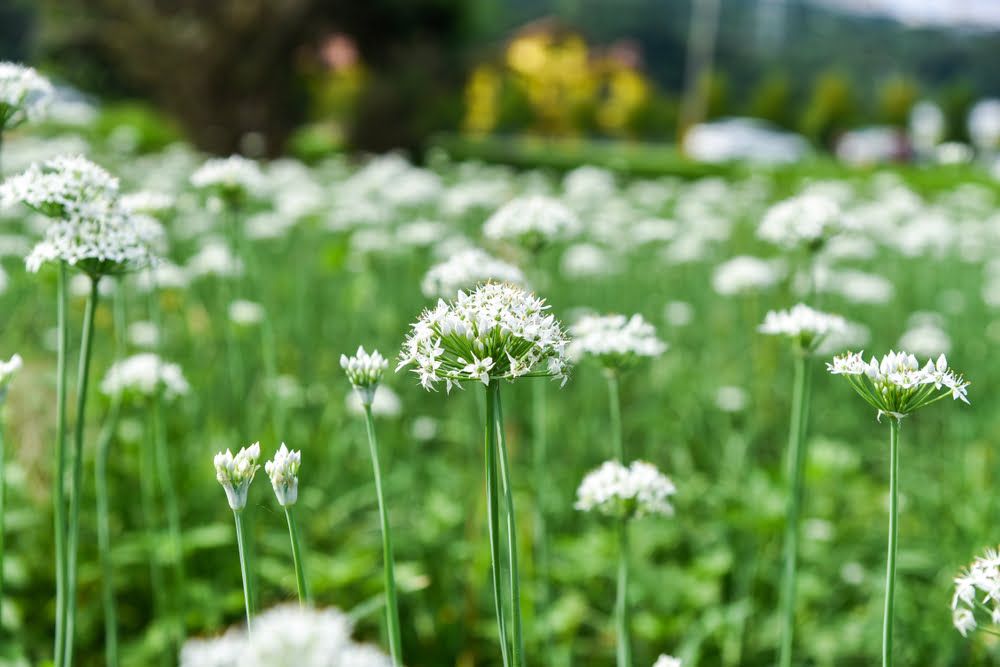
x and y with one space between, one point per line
391 603
103 504
165 478
147 499
890 568
73 540
59 474
493 510
615 411
796 474
541 475
300 575
624 649
515 580
244 566
3 493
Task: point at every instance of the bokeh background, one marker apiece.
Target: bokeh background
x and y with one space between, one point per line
670 127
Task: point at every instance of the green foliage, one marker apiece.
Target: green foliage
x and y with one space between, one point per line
896 97
830 109
771 100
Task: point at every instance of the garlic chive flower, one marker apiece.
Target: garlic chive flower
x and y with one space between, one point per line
805 220
897 385
232 178
617 342
532 222
806 327
235 473
8 369
24 95
364 371
977 593
668 661
465 270
626 492
284 473
143 375
68 186
496 332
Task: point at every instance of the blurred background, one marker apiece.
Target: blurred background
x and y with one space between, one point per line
628 111
307 77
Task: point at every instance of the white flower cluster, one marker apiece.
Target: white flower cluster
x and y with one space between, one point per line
668 661
364 372
91 229
143 375
245 313
745 274
804 325
805 220
615 341
532 222
284 473
8 369
235 473
107 243
626 492
24 95
286 636
67 186
465 270
498 331
897 385
147 202
977 589
233 176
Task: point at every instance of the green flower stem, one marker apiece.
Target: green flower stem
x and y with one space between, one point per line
615 411
3 491
391 603
624 651
796 474
890 568
59 474
541 475
508 491
241 544
165 479
148 506
300 575
101 490
73 538
493 510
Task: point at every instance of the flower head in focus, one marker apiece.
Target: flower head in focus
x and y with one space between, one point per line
532 222
465 270
897 384
496 332
143 376
626 492
805 220
24 95
235 473
617 342
364 371
284 473
8 369
977 593
234 178
65 187
806 327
